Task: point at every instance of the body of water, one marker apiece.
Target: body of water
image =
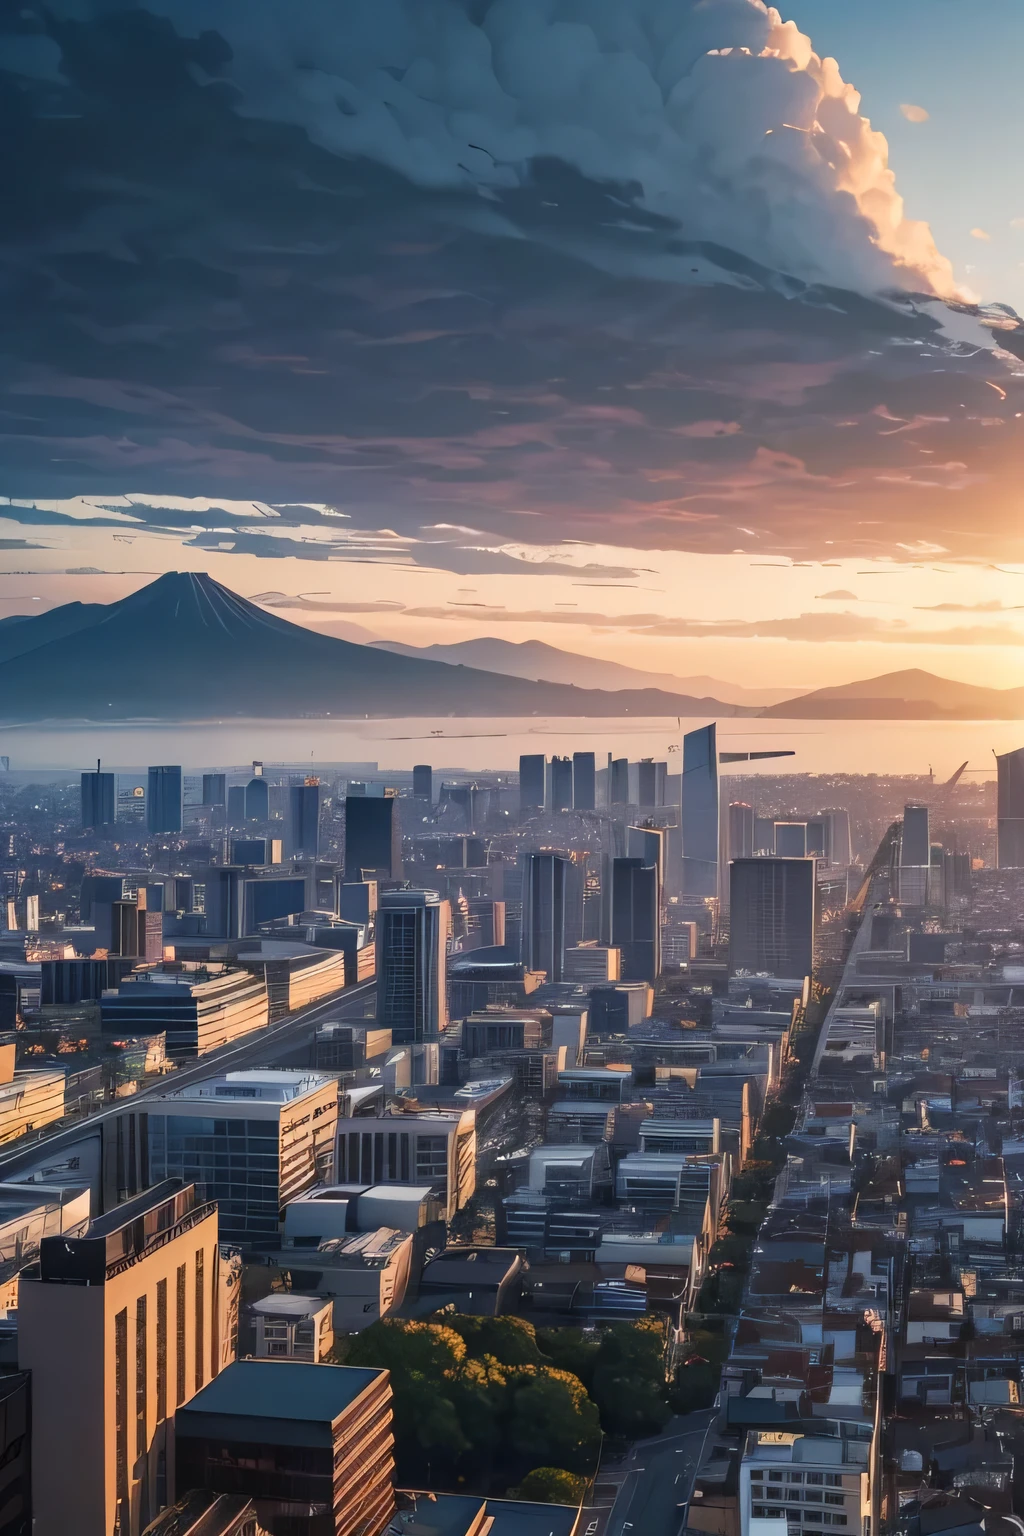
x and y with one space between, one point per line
820 746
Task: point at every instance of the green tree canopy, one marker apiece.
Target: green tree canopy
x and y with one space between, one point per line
550 1485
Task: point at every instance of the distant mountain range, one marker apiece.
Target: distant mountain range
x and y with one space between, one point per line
185 647
909 695
548 664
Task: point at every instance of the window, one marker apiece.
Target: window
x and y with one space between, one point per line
200 1321
757 1475
775 1477
141 1375
121 1410
794 1477
815 1477
835 1498
161 1350
180 1335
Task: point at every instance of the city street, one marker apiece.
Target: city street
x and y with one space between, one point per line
654 1481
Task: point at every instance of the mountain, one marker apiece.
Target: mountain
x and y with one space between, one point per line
548 664
187 647
909 695
26 632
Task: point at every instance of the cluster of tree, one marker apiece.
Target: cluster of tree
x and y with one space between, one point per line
487 1402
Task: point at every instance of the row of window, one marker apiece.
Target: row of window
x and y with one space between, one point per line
813 1479
811 1517
811 1495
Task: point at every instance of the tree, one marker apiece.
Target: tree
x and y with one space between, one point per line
551 1415
512 1340
571 1350
402 1347
550 1485
629 1379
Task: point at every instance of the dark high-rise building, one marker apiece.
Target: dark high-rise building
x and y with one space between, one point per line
584 781
741 830
257 799
236 805
373 840
650 782
819 839
544 895
1010 810
412 945
618 785
915 844
423 781
791 839
635 918
561 783
99 798
764 835
304 820
838 845
214 788
700 812
310 1444
772 916
163 799
531 781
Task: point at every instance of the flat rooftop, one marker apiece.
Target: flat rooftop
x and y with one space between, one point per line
281 1389
267 1084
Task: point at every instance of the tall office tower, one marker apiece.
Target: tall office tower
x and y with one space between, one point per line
584 781
304 820
741 830
1010 809
561 783
791 839
119 1329
134 930
618 784
373 838
412 949
764 834
635 918
423 781
236 805
163 800
257 799
543 931
575 901
772 916
914 857
700 812
650 782
99 798
531 781
839 847
818 829
214 790
649 845
310 1444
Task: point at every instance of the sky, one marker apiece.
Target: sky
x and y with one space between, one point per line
677 333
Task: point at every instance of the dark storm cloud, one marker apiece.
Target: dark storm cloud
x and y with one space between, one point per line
201 302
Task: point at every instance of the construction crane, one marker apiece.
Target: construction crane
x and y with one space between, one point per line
955 777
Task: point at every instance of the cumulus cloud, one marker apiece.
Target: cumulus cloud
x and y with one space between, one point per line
980 234
912 113
721 115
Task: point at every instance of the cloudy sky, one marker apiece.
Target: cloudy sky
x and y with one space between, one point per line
664 330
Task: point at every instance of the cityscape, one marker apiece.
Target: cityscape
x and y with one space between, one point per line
511 768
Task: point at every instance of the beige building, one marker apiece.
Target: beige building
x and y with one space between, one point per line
119 1328
198 1006
435 1147
293 1328
28 1098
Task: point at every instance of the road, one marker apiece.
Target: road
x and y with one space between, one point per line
258 1049
657 1478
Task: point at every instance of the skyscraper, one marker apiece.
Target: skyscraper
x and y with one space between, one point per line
99 798
618 784
412 944
584 781
257 798
236 805
304 820
1010 809
531 781
544 897
791 839
650 782
163 800
423 781
772 916
118 1328
561 783
838 845
741 830
373 840
915 856
700 812
635 918
214 791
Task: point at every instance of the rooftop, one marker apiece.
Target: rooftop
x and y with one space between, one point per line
265 1083
281 1389
289 1306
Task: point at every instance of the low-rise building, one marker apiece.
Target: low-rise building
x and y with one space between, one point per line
363 1275
199 1006
290 1327
437 1148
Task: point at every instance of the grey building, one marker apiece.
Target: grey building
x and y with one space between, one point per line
1010 809
634 918
164 799
584 781
373 846
544 898
772 916
99 798
700 812
531 781
412 943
